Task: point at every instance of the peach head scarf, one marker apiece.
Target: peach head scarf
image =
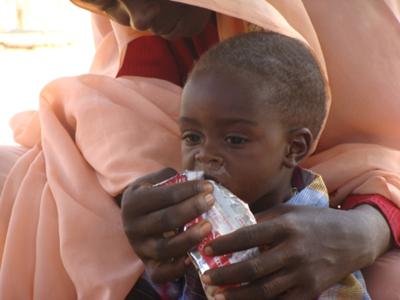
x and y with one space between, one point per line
60 230
358 151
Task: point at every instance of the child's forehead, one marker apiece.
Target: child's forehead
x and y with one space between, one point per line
226 85
233 94
225 99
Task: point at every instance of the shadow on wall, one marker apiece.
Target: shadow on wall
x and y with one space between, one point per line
37 15
40 40
35 23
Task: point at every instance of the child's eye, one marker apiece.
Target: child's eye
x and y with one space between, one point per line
236 140
191 138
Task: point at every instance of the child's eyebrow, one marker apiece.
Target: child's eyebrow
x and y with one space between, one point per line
188 120
230 121
223 121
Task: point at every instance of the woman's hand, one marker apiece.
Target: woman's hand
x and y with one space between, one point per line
152 217
304 250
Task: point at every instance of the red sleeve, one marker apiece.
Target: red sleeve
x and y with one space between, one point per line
387 208
153 56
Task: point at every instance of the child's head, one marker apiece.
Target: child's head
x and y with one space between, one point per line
251 111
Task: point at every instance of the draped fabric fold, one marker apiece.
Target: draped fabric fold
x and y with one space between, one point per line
61 230
359 169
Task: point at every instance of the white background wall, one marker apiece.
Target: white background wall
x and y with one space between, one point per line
23 72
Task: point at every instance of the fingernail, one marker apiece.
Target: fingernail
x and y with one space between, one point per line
208 251
219 297
206 279
207 187
209 199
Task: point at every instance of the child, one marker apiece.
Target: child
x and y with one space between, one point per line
252 110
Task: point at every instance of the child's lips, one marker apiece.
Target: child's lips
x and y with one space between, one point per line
220 175
210 177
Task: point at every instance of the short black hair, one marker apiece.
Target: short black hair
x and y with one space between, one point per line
282 68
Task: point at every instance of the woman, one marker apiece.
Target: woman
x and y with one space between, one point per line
95 134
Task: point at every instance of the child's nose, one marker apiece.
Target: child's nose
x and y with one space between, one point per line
209 158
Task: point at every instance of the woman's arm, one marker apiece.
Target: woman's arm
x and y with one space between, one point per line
376 229
305 250
386 207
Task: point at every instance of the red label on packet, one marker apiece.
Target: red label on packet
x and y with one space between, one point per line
212 261
182 177
228 214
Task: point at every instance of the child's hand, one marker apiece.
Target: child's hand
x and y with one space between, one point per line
152 217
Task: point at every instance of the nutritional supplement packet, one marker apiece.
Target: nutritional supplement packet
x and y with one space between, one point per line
228 214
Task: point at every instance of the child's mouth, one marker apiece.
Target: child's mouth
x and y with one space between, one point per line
209 177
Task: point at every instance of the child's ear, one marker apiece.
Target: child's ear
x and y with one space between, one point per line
298 146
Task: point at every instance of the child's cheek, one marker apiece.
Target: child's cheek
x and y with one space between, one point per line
188 161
